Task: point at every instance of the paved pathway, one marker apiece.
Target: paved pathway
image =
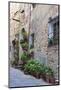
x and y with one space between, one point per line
19 79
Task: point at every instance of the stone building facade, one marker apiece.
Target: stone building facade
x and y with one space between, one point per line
40 16
19 18
14 26
36 19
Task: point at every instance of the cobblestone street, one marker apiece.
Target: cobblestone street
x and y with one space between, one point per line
19 79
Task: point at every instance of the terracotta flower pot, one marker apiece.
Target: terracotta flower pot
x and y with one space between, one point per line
52 80
41 76
34 74
38 75
47 78
44 77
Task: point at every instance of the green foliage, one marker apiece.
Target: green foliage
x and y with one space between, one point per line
21 41
25 57
34 66
48 71
31 65
24 45
24 41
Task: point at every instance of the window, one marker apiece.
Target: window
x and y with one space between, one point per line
55 28
53 31
31 41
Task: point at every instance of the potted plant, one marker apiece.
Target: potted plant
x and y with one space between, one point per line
33 68
49 75
37 72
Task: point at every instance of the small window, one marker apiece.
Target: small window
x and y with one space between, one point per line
53 31
31 41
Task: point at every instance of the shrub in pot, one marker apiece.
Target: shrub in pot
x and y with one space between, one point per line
34 68
49 75
43 75
51 78
38 70
41 70
25 57
30 67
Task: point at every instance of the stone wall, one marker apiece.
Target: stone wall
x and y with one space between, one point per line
18 20
37 23
39 26
53 59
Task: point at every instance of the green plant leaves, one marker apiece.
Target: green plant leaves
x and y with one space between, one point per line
25 57
33 66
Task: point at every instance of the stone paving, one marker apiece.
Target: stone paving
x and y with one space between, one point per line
19 79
